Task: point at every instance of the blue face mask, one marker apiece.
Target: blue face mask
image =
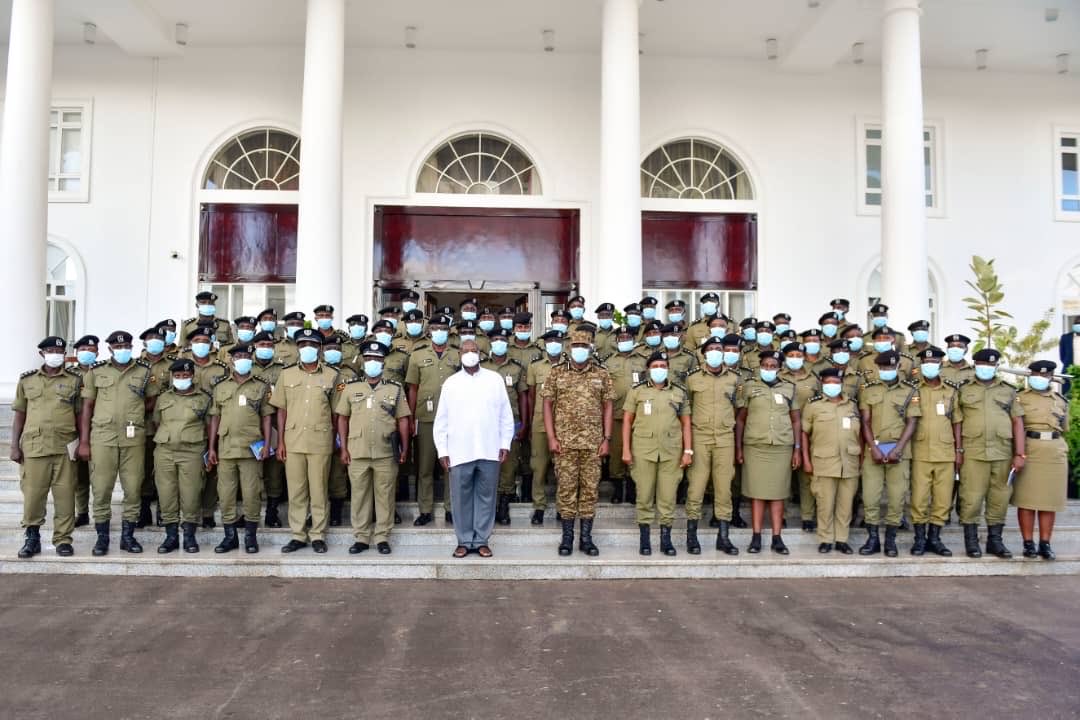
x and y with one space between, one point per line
855 343
649 313
577 313
291 330
717 332
1039 384
832 389
332 357
414 328
764 339
652 340
671 342
828 330
245 336
242 366
882 346
373 368
731 358
170 337
880 321
86 357
324 323
887 375
468 315
439 337
840 357
487 325
955 354
840 314
268 326
554 349
930 370
384 338
794 363
605 323
357 332
920 336
309 354
523 335
559 327
749 334
708 308
182 384
782 328
633 321
714 358
625 346
985 372
498 347
676 317
579 355
393 322
207 310
155 346
658 374
122 355
813 348
264 353
768 376
200 350
506 323
408 306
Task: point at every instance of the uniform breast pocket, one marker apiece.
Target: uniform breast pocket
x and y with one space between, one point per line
105 386
33 392
192 434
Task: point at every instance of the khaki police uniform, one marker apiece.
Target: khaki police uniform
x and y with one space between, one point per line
273 470
833 431
180 443
536 375
428 370
223 333
933 450
1043 482
807 385
240 404
888 408
696 334
338 484
958 374
768 437
82 467
161 378
712 402
625 371
680 364
515 382
988 410
656 447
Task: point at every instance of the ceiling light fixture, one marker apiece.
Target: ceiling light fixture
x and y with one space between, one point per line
1051 14
410 37
980 58
771 51
181 34
549 40
89 33
1063 63
857 53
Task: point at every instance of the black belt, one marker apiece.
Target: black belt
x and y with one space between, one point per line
1043 435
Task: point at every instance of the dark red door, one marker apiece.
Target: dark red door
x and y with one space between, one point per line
699 250
247 243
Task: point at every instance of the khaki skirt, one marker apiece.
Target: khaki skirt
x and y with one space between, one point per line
766 472
1043 483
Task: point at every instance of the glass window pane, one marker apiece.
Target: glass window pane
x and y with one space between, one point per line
873 133
71 151
1068 142
873 166
928 174
54 162
73 117
1069 174
929 200
53 118
873 199
1070 205
70 185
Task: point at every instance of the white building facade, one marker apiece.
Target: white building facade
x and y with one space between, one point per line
843 148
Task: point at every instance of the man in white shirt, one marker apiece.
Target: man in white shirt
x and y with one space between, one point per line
473 429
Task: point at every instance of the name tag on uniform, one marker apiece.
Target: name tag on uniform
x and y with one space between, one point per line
940 408
130 431
636 377
243 401
778 398
430 406
647 407
509 381
845 423
369 403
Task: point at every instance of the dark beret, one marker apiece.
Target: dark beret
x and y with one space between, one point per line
238 349
294 315
765 325
840 344
889 358
560 314
245 320
710 341
167 322
657 355
670 328
91 340
413 316
840 301
1042 367
523 318
356 320
793 347
382 325
467 325
989 355
440 319
605 307
829 372
263 337
552 335
930 353
205 296
732 339
919 325
576 299
269 311
748 322
182 365
500 333
811 333
389 310
675 304
309 336
648 300
879 309
958 338
52 342
826 317
151 332
632 308
409 295
653 325
323 309
710 297
118 337
885 330
200 331
468 301
781 316
774 354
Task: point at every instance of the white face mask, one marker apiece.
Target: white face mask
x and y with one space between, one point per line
54 360
470 359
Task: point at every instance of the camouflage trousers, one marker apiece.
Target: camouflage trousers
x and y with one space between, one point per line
577 473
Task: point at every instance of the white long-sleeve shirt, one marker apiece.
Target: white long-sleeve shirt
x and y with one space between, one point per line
474 420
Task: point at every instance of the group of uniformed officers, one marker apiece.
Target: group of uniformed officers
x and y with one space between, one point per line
217 413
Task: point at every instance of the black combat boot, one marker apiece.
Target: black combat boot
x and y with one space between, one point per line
127 537
971 540
994 544
1029 549
617 485
723 541
272 520
172 540
644 541
918 543
1045 551
665 541
82 519
101 547
146 517
537 517
251 542
585 544
872 546
502 512
778 545
336 507
736 517
191 545
231 541
934 544
32 546
755 544
566 545
890 541
692 545
631 491
526 488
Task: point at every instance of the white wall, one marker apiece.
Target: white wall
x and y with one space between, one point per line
796 132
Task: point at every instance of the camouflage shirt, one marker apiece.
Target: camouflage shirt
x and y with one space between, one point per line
578 398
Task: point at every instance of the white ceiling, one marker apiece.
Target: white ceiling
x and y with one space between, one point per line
1015 32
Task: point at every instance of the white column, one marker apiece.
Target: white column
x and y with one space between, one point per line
24 176
319 264
903 193
617 251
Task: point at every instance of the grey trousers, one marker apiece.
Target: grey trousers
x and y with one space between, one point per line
472 496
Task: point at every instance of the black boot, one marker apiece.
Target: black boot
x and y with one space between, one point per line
208 522
526 488
101 547
231 541
736 518
191 545
251 542
32 546
692 545
1045 551
934 544
146 517
755 544
778 545
644 541
172 540
665 541
631 491
566 545
994 544
127 537
537 517
585 544
336 506
617 485
890 541
272 520
1029 549
82 519
502 512
971 540
872 546
714 522
723 542
918 543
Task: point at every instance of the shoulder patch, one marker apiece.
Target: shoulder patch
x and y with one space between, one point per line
189 320
99 363
28 373
73 371
911 383
218 380
385 382
143 363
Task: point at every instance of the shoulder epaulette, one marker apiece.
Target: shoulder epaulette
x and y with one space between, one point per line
639 384
189 320
512 361
815 398
174 357
872 383
539 360
221 363
391 382
28 373
694 371
400 349
286 367
220 379
257 379
1057 394
909 357
910 383
99 363
143 363
74 371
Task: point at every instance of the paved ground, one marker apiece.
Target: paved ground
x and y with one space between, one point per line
94 647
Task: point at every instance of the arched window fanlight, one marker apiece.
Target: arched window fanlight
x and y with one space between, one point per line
694 169
479 164
261 159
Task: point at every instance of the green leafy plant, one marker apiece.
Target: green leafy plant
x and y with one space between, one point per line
984 304
1019 350
1072 437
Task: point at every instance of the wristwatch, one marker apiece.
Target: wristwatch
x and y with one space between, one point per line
687 452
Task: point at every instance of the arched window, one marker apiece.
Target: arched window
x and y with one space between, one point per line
694 169
261 159
479 164
61 289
